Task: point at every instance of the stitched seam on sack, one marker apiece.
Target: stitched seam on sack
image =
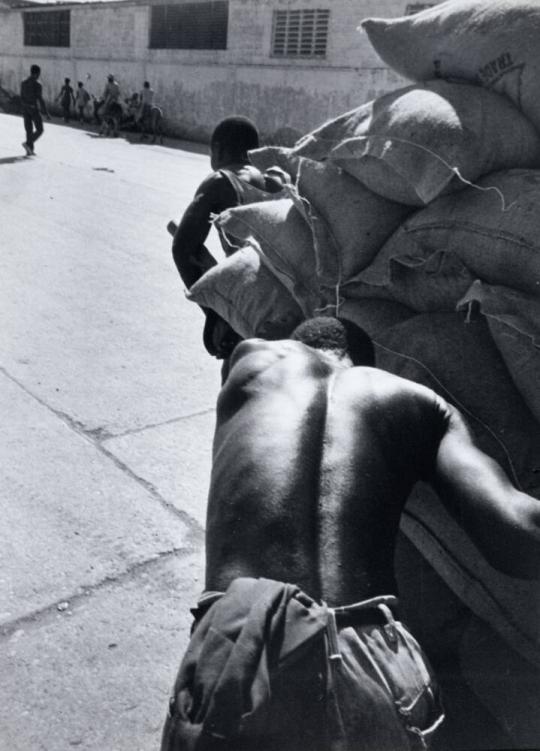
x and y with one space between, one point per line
504 322
476 229
416 187
314 214
319 217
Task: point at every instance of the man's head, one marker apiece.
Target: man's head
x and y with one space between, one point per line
231 141
338 336
110 78
80 84
67 80
35 71
146 85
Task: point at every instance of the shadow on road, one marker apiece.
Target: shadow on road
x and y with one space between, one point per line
13 159
172 143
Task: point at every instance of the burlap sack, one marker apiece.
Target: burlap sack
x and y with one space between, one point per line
514 321
358 220
460 361
284 240
349 222
374 316
416 276
494 232
493 43
418 141
248 296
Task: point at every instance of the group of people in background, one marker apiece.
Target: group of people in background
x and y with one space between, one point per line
75 103
137 105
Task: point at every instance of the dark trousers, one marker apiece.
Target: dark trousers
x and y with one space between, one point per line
32 119
66 111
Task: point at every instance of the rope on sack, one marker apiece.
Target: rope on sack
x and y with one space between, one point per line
454 169
460 405
335 306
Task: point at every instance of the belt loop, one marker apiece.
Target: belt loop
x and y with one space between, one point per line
332 635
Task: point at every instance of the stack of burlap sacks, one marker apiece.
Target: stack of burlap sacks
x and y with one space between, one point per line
417 216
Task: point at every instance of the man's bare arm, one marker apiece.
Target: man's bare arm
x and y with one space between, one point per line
502 521
43 106
190 254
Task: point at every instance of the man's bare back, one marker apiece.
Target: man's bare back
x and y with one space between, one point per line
313 462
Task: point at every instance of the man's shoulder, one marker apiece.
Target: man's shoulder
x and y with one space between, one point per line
385 386
217 189
262 349
254 356
31 82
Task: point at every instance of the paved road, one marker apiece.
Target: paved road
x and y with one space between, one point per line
106 397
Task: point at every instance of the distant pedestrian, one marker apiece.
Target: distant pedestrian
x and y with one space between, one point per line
111 93
67 97
111 112
82 97
147 100
31 103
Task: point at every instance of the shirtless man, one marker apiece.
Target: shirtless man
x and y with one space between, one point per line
315 453
233 182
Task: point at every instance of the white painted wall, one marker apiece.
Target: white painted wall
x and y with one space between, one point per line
198 87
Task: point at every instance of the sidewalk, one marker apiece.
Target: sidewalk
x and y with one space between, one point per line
107 398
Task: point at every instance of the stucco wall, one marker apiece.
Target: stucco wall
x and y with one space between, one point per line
198 87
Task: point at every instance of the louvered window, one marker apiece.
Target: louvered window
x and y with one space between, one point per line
48 28
300 33
190 26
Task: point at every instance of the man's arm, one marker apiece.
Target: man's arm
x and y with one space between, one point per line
191 256
193 259
42 103
502 521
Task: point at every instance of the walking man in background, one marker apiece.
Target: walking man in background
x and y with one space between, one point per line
32 107
315 454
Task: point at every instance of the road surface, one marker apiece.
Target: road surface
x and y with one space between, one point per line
107 400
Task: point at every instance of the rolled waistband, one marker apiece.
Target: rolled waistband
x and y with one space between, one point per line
377 610
381 610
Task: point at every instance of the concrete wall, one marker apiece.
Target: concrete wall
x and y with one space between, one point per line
198 87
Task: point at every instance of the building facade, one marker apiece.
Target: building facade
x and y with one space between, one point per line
287 64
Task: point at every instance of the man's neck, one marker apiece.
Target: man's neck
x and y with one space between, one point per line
337 361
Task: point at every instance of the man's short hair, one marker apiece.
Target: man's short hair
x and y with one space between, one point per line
236 135
35 70
337 335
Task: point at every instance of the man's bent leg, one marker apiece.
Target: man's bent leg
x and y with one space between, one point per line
38 123
28 128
